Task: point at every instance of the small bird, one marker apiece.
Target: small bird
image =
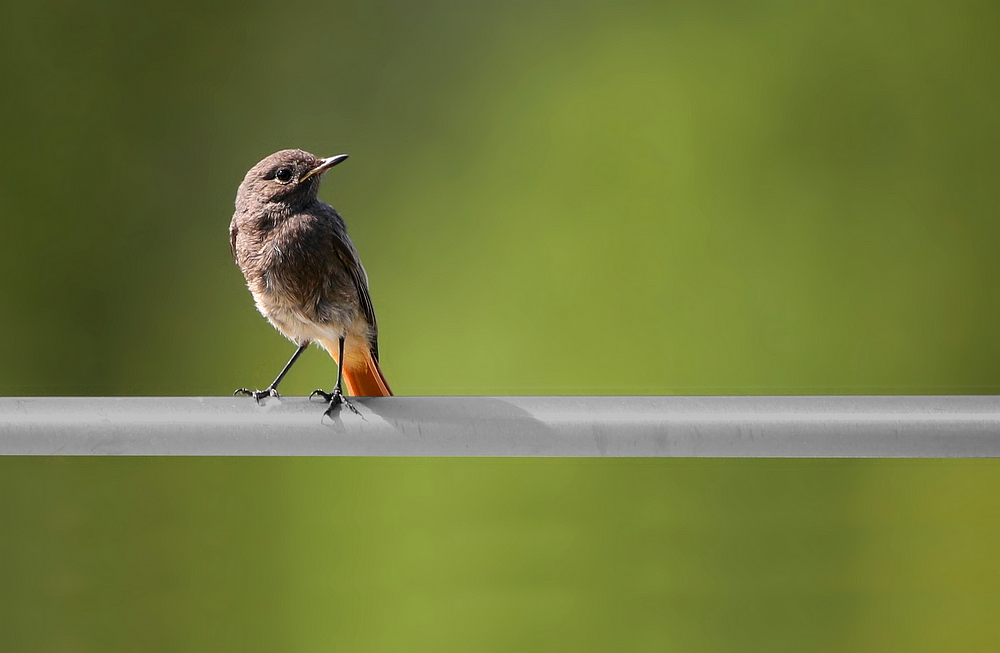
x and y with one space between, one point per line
304 273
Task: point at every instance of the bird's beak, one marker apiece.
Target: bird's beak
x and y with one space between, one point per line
324 165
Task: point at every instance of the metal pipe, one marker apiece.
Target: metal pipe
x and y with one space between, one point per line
744 426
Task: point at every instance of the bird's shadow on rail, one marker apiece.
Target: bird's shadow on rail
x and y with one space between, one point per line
456 415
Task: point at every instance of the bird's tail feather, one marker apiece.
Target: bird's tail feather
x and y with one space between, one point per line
366 379
363 377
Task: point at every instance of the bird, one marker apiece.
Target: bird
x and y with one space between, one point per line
305 274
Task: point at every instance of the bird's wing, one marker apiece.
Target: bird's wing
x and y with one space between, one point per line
352 263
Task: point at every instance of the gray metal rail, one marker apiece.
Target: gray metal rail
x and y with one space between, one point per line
782 426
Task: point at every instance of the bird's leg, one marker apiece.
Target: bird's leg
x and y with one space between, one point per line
336 398
272 390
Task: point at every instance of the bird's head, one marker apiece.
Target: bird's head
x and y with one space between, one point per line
287 177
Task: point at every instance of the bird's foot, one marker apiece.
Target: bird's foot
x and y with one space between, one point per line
258 394
335 399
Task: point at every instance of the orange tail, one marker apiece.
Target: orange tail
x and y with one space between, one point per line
362 375
365 379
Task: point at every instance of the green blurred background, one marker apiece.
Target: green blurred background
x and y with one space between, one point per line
550 198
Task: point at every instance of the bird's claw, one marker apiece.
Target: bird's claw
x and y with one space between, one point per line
335 399
257 394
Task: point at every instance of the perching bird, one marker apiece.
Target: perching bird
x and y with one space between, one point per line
304 273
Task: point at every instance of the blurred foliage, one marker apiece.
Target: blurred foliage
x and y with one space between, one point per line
551 198
285 554
590 197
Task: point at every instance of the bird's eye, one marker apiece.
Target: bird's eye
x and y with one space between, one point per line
284 175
